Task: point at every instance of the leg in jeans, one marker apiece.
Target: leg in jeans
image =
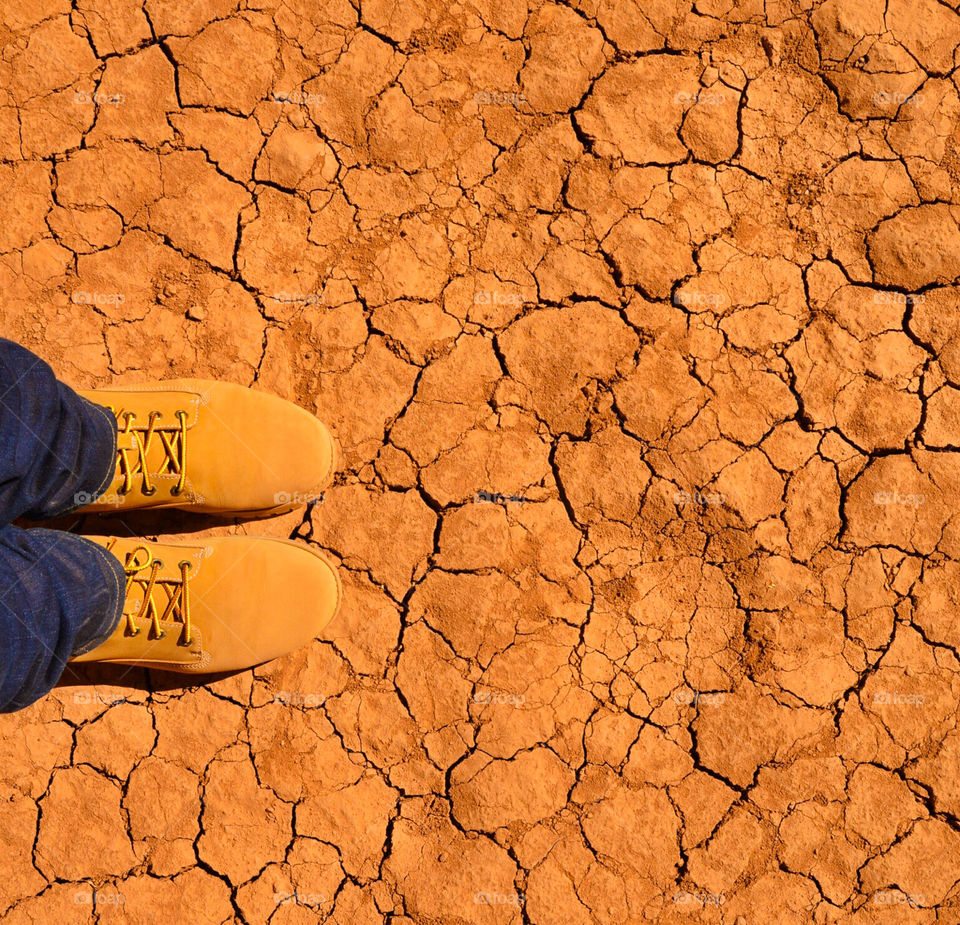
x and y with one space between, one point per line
60 595
56 449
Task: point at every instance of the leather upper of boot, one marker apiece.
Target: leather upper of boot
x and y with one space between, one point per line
212 447
222 605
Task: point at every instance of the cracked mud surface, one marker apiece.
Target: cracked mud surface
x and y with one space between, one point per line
637 325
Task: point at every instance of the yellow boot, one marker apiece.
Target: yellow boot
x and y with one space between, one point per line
211 447
225 604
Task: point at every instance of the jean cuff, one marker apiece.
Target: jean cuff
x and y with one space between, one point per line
100 416
99 626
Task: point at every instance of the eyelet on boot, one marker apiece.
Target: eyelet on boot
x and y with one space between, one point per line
152 491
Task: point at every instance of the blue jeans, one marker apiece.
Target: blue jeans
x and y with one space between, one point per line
60 595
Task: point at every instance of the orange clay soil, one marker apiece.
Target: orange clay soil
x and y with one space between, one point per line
637 323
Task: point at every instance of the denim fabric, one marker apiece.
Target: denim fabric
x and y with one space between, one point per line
60 595
56 449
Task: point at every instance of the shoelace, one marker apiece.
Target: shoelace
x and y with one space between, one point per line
174 440
177 591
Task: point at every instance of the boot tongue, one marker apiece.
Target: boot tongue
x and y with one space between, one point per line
157 456
168 584
127 441
164 406
160 467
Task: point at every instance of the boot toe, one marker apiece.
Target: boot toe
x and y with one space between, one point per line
282 597
262 452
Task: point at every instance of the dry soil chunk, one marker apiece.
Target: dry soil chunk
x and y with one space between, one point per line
565 55
560 354
635 109
535 784
228 66
81 800
649 254
917 247
395 527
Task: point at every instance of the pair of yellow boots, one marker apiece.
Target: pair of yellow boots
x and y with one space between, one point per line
227 603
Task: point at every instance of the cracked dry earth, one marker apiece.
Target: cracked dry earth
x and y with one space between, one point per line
636 323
